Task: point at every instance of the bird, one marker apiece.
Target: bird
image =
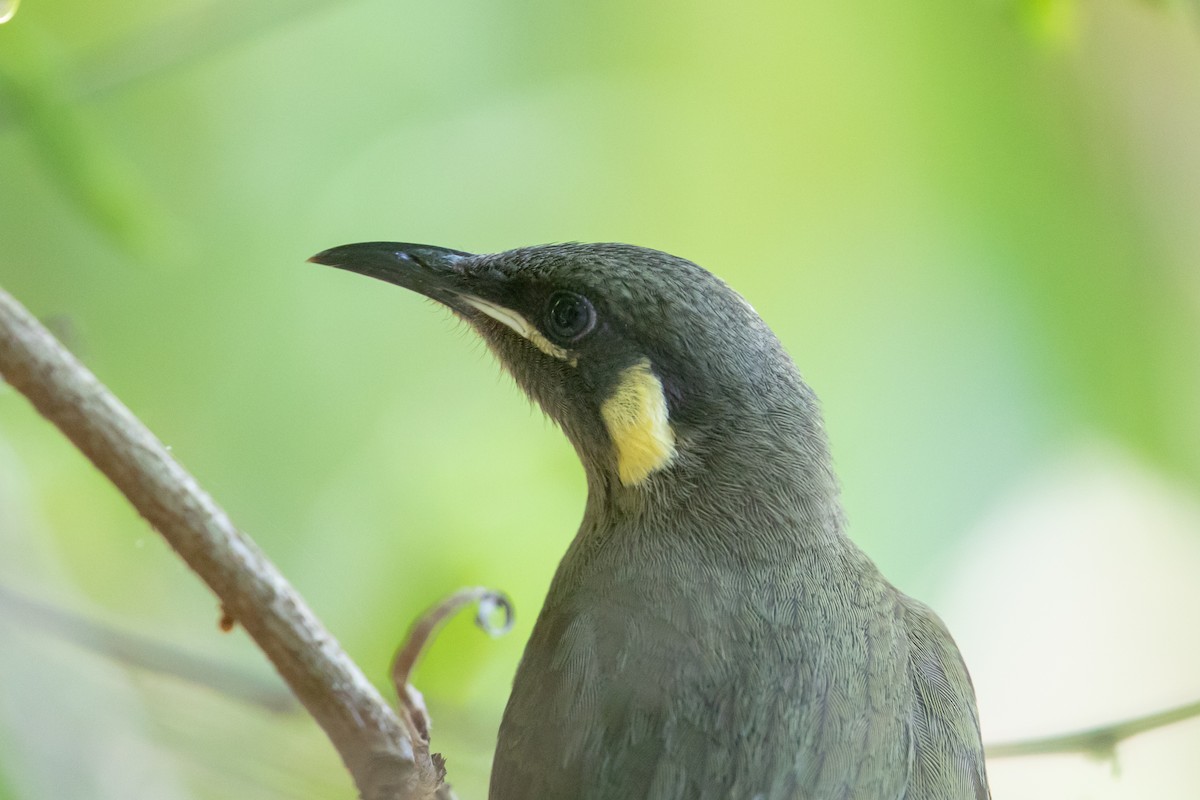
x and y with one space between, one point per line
712 631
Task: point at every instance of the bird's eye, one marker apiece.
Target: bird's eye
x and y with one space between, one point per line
569 317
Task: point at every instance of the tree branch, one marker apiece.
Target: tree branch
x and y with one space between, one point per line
1099 742
144 653
386 761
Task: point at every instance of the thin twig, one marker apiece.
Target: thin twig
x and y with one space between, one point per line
1099 742
420 635
412 704
145 653
384 761
421 632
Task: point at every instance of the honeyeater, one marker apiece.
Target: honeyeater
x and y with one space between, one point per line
711 632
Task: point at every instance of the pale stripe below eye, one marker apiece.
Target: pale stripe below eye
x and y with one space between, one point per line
516 322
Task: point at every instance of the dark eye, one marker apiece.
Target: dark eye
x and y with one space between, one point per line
569 316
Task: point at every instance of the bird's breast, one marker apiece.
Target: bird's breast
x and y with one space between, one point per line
706 679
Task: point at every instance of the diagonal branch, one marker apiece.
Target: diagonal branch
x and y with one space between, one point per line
383 757
145 653
1099 742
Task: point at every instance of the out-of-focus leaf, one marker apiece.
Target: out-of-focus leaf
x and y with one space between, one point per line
1051 21
202 31
35 93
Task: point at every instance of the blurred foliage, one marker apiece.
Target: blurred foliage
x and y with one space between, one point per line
1051 20
973 228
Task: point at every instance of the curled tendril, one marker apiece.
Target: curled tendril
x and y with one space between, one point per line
485 616
422 631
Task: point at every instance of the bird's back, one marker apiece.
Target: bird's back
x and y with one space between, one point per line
948 761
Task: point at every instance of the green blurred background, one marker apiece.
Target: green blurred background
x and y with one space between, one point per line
975 225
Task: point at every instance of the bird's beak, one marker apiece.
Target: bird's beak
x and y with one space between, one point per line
432 271
442 275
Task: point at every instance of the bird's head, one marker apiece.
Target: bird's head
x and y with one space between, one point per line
660 374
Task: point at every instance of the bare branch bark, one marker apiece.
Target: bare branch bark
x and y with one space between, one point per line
383 757
1099 742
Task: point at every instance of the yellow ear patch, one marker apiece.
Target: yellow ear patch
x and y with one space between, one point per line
638 424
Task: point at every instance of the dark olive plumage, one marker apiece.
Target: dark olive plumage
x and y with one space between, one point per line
711 631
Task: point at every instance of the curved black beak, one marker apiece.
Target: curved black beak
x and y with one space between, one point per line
429 270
